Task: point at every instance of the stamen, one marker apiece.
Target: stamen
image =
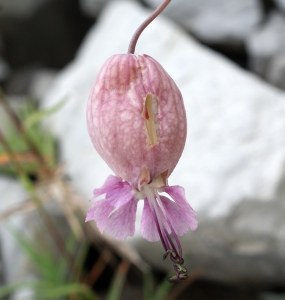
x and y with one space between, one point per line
167 253
168 241
173 279
159 231
180 269
175 238
173 233
172 245
183 276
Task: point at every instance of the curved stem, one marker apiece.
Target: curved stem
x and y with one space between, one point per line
142 27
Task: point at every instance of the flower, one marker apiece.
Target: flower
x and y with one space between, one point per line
137 123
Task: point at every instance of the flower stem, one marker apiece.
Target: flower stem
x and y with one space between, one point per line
142 27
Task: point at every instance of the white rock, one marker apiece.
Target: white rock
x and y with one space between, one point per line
233 165
215 21
266 48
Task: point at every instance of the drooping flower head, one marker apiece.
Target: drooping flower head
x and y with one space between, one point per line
137 123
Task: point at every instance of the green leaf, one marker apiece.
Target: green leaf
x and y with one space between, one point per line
163 290
7 290
47 291
38 115
34 132
42 260
148 290
118 281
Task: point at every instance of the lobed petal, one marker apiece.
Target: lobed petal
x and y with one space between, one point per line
99 212
179 220
148 225
110 183
121 223
120 195
177 193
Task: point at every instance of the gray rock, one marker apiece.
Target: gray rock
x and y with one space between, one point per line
4 69
22 9
280 4
215 21
41 82
30 80
233 165
48 38
20 80
92 7
266 48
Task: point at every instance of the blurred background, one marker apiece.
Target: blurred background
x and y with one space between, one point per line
228 59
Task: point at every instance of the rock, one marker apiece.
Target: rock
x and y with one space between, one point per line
19 81
232 168
223 22
4 69
48 38
41 82
280 4
20 9
30 80
92 7
266 48
276 72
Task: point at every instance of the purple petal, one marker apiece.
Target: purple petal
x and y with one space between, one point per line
148 225
121 223
177 193
120 195
99 212
111 183
177 218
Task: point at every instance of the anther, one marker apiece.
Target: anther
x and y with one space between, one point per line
179 268
169 251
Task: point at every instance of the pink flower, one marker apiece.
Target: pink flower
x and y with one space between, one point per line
137 123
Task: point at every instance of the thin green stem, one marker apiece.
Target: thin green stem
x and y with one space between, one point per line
57 238
10 152
18 125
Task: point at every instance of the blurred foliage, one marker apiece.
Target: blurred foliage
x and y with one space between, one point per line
160 293
55 278
30 132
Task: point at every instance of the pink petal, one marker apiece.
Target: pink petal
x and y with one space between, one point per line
99 212
121 223
120 195
178 219
110 183
177 193
148 225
